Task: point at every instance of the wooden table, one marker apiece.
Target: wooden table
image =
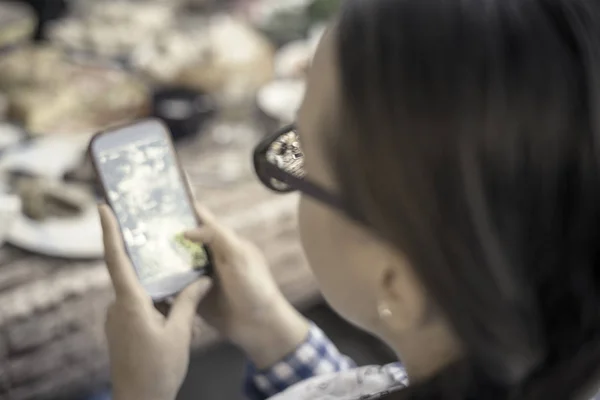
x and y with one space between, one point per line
52 311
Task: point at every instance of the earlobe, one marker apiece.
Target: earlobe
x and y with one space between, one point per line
384 312
401 300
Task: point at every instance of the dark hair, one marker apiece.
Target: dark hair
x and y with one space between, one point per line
470 139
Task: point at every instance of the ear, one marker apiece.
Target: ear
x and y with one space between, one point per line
402 300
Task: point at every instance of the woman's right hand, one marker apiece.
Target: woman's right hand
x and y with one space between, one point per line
245 304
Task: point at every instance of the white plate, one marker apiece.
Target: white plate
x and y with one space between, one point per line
77 238
9 134
281 99
50 156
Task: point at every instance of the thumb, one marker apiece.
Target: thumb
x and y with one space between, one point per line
184 307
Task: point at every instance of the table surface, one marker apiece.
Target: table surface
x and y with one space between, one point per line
52 310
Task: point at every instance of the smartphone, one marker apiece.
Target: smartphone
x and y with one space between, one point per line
144 184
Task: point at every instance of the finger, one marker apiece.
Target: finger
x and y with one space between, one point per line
208 220
212 233
203 235
205 215
222 245
184 307
121 271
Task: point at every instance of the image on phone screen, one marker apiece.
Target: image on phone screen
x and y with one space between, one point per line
144 186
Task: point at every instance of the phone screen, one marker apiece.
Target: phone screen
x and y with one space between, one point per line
144 186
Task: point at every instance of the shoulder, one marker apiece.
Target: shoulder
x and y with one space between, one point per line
358 383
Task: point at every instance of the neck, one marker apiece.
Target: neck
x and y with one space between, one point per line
426 352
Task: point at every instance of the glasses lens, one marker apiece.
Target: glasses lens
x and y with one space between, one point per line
286 154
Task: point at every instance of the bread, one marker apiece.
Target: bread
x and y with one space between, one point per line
239 62
60 96
42 199
32 66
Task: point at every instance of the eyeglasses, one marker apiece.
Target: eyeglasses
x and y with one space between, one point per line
279 164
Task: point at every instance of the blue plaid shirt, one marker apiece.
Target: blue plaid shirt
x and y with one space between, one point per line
317 356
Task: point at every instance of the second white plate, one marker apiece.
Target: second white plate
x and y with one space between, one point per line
75 238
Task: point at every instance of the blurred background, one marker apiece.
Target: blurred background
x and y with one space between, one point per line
221 74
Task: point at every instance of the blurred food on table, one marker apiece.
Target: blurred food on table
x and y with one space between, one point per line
238 60
43 198
48 93
17 24
162 58
82 172
112 28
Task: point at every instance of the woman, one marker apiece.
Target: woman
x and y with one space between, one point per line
450 205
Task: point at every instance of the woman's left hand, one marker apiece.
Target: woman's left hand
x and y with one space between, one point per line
149 353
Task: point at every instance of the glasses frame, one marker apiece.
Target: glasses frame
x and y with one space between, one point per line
266 171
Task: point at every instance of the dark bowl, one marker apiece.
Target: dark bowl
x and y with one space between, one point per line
185 111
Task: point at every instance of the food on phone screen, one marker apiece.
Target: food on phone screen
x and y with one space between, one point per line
199 258
144 187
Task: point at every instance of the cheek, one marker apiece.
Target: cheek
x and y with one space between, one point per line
337 262
316 240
